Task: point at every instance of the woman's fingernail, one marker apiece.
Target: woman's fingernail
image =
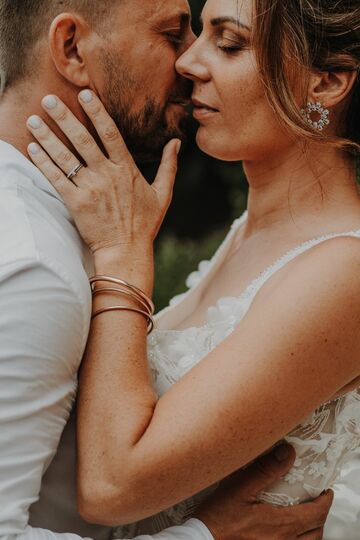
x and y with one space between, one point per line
49 102
178 147
34 122
86 96
282 452
33 148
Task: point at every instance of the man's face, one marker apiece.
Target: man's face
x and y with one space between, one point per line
135 74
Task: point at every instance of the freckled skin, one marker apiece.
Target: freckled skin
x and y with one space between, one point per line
246 127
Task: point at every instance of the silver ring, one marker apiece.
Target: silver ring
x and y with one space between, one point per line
74 172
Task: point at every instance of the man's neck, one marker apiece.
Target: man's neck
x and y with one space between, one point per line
17 105
14 112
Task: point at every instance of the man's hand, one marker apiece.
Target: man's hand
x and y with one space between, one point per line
234 513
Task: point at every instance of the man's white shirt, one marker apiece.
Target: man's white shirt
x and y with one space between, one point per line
45 313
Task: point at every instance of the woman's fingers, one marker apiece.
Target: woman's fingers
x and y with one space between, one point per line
74 130
165 178
105 127
58 152
57 178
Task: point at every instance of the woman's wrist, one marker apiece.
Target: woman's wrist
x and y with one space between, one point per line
133 263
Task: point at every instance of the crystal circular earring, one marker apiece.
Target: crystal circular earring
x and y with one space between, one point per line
316 108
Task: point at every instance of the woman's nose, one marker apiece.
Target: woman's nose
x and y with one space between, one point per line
190 64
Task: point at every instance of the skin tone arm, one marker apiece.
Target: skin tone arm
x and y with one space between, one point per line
137 452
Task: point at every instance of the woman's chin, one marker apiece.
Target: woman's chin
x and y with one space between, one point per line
214 147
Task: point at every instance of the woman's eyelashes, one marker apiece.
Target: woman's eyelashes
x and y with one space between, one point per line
229 48
231 44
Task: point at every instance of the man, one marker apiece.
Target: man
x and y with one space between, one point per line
125 50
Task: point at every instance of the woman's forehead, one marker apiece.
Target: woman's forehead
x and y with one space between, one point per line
241 10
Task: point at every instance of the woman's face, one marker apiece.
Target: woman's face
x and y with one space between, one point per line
236 121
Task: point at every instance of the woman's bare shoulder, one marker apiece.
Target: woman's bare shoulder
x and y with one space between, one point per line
331 267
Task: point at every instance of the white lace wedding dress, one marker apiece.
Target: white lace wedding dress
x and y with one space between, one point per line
324 441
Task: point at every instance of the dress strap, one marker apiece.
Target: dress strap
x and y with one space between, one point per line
258 282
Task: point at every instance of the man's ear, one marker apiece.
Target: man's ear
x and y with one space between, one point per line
331 88
67 36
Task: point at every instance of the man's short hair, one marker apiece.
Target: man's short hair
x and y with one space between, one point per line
24 22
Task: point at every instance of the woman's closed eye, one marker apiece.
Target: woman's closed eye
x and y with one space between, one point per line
231 44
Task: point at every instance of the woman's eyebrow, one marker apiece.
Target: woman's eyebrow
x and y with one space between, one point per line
217 21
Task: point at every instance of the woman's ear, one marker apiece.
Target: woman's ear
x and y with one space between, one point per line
66 39
331 88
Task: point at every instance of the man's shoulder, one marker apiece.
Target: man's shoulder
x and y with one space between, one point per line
35 225
16 235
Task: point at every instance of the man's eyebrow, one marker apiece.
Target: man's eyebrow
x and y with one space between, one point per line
182 18
222 20
185 18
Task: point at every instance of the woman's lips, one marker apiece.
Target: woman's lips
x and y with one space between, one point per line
201 113
201 110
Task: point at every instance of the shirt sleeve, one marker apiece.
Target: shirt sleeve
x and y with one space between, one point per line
191 530
43 332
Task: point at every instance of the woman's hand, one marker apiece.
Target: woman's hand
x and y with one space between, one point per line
111 202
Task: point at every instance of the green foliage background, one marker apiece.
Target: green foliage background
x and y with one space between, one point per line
208 196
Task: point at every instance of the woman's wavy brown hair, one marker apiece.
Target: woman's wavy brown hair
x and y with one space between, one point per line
292 38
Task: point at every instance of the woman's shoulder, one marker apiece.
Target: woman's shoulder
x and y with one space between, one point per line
318 292
336 256
332 257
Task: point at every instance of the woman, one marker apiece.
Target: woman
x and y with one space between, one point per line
235 367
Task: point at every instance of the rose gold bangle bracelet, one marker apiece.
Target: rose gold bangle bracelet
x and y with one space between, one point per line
131 295
138 292
125 308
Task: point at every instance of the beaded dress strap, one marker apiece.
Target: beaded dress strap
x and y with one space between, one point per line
258 282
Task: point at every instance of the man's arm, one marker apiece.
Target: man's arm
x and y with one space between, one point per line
43 331
233 513
192 530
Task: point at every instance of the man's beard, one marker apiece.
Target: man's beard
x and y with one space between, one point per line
145 132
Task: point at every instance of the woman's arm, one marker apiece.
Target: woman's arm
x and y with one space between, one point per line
294 350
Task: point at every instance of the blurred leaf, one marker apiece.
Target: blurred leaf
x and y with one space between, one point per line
175 259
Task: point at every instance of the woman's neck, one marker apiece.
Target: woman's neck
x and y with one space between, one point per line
303 189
